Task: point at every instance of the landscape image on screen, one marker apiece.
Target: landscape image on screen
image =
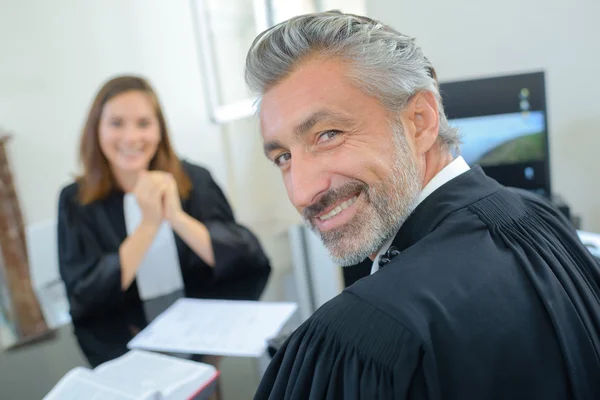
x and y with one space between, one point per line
502 139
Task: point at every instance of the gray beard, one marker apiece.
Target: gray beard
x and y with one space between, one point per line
388 204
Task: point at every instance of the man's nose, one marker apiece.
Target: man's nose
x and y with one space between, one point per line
308 180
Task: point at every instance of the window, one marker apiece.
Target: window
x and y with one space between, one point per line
225 30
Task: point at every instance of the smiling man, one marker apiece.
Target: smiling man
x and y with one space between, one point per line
477 291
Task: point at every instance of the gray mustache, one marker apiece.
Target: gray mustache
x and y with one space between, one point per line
333 196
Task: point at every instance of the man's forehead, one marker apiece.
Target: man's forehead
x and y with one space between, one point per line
301 94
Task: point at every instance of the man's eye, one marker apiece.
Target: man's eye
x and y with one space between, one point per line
282 159
328 135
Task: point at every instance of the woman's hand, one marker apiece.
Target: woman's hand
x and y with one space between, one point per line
171 201
149 191
193 232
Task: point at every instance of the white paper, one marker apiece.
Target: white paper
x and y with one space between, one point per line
217 327
137 375
159 273
80 383
591 241
143 373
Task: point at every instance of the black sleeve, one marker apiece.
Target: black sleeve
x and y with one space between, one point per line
348 350
240 262
92 278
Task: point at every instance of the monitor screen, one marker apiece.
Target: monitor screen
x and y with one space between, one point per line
503 128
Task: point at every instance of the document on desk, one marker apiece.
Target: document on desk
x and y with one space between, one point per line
138 375
591 241
215 327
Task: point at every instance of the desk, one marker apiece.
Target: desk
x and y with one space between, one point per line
29 372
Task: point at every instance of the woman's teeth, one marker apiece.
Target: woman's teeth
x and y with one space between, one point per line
130 152
338 209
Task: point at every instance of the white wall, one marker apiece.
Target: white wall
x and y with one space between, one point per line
468 38
54 57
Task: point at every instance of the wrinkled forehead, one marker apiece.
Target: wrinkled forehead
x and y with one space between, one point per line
311 88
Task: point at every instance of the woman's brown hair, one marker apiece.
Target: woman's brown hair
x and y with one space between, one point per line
97 179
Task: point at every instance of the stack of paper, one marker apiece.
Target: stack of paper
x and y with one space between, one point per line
217 327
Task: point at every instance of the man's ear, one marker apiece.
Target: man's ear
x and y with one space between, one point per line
421 121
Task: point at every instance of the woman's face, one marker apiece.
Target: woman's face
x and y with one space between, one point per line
129 132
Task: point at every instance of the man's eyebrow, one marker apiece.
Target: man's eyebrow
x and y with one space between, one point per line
320 116
270 146
306 125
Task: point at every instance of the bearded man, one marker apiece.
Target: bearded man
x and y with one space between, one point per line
477 291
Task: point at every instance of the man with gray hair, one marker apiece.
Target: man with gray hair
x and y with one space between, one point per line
477 291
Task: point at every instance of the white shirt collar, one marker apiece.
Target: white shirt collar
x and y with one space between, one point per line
457 167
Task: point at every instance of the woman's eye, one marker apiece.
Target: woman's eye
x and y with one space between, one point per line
144 124
281 159
116 123
328 135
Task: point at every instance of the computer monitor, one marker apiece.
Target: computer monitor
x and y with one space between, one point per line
503 126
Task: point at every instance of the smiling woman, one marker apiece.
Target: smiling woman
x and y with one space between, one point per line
111 268
125 132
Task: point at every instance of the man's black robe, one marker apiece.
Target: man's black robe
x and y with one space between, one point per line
492 297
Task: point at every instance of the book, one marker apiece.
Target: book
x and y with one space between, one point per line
138 375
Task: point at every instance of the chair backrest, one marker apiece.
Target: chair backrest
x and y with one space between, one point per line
42 249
